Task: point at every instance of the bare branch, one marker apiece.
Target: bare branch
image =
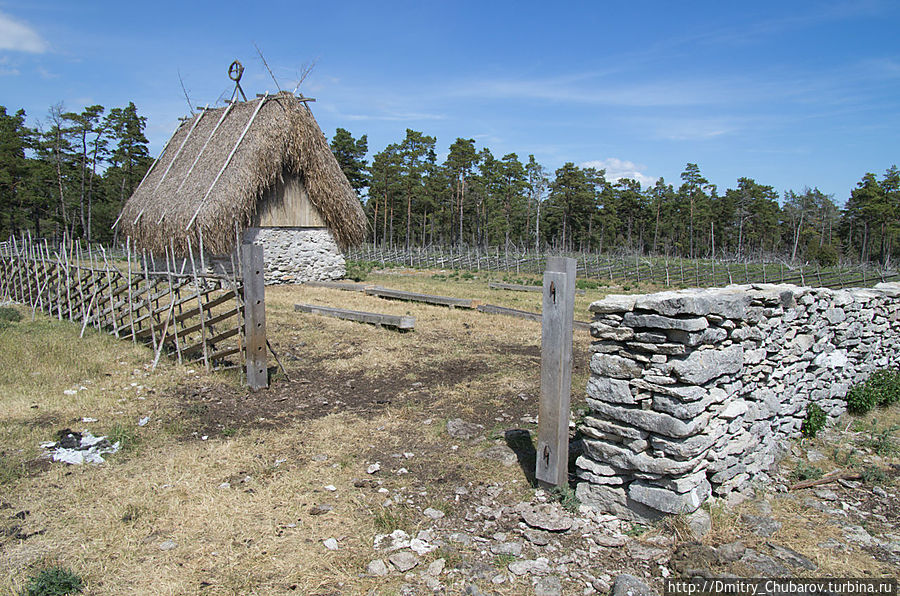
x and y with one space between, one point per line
180 80
305 69
266 64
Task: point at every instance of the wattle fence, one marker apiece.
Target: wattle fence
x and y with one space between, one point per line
628 269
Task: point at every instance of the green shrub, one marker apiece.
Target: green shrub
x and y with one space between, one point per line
53 581
566 497
882 388
825 255
9 315
805 471
358 270
886 384
586 284
881 440
814 422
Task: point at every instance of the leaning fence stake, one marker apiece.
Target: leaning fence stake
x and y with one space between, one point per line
552 466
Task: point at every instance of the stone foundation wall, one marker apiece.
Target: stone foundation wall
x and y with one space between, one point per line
296 255
694 392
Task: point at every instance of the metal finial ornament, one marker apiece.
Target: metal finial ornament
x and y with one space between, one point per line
235 71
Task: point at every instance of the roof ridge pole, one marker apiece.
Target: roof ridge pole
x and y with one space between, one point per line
150 169
227 160
175 157
202 149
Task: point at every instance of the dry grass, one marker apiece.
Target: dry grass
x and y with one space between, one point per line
258 536
107 522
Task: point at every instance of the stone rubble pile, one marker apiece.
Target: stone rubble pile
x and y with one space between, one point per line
692 392
297 255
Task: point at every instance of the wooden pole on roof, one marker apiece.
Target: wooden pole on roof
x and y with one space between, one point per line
227 160
150 169
202 149
177 153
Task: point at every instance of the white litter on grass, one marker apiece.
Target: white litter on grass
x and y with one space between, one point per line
87 420
143 421
90 449
71 392
331 544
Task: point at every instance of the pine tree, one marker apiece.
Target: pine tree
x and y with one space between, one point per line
351 156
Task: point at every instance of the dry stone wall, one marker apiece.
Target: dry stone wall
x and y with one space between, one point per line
694 392
297 255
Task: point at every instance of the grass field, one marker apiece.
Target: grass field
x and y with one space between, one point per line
217 493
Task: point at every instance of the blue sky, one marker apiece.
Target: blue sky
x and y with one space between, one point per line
792 94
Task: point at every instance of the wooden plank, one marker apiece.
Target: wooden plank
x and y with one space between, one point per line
496 285
493 309
339 285
207 306
201 326
552 465
402 323
223 353
426 298
254 315
198 347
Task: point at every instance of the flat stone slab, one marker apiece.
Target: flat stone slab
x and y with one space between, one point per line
614 303
540 566
467 431
661 322
403 560
629 585
761 525
705 365
547 516
669 501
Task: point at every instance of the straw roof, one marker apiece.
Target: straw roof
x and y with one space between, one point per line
181 194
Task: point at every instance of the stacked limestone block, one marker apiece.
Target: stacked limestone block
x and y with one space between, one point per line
693 392
297 255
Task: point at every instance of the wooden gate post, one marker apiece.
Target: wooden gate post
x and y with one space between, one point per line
552 465
254 315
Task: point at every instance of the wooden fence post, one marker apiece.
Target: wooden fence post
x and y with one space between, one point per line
254 315
552 465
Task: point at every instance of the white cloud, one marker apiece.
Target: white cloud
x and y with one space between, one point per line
17 36
617 169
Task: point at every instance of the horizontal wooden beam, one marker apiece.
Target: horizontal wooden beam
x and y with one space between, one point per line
426 298
339 285
493 309
496 285
402 323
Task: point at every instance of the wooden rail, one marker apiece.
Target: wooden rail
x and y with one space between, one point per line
496 285
339 285
426 298
402 323
493 309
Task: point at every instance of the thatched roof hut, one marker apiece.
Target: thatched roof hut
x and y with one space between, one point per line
221 164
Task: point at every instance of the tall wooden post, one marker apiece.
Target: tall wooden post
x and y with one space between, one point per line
556 372
254 315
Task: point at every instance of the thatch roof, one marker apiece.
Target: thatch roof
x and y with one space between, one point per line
283 138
